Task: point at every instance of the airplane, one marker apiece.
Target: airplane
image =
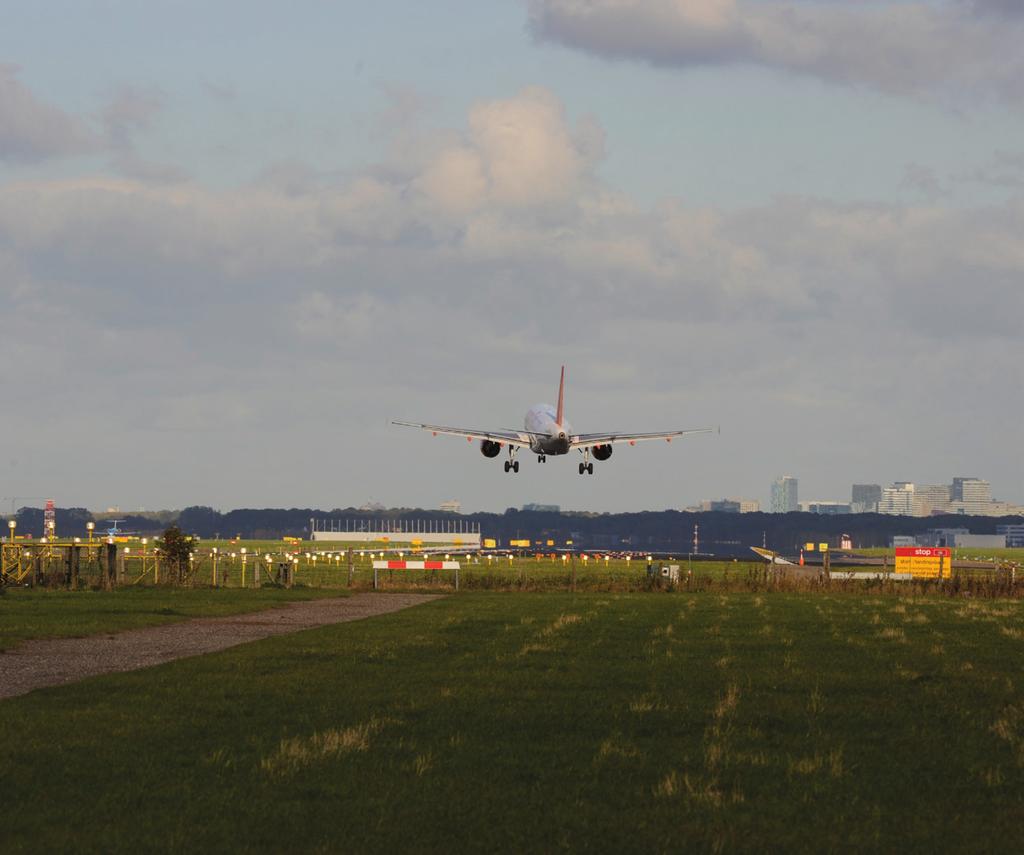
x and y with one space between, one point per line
548 432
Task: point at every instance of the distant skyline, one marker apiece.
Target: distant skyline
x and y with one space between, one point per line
237 239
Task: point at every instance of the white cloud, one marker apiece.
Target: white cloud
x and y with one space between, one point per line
905 48
517 152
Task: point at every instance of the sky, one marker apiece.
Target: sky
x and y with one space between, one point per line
237 239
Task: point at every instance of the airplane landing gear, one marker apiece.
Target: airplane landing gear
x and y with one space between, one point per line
542 458
511 465
586 466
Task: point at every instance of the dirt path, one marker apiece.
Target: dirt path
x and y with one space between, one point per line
51 662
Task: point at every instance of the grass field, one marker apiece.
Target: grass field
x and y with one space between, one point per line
28 614
548 721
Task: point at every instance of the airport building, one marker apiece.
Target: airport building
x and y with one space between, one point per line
826 508
733 506
784 495
959 538
1014 535
397 531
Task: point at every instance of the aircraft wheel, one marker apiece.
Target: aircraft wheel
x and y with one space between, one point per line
582 468
590 468
507 466
515 466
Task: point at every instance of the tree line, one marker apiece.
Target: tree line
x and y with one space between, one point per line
646 530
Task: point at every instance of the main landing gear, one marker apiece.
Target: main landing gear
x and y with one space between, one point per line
511 465
586 466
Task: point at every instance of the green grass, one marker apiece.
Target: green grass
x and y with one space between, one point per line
548 721
26 614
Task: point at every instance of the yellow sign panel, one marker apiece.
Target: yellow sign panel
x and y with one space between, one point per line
924 562
822 547
809 547
417 543
490 543
551 543
522 543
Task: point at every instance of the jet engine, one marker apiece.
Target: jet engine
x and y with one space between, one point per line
602 452
490 448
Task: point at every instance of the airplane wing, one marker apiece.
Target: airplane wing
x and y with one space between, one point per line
770 556
590 439
521 438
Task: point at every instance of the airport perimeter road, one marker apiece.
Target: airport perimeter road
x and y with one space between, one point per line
52 662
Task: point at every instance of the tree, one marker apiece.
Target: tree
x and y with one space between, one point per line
176 550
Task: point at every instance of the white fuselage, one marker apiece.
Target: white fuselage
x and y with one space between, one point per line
550 436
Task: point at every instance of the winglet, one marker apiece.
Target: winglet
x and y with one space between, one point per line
560 414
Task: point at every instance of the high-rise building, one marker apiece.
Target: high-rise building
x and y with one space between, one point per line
452 506
864 498
898 499
970 490
972 496
784 495
930 499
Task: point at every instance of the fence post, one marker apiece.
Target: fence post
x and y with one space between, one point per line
109 560
351 567
375 578
456 578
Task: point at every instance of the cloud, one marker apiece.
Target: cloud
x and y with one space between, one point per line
1005 169
517 152
316 306
914 48
32 130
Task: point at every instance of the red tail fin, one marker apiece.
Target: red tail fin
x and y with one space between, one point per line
559 415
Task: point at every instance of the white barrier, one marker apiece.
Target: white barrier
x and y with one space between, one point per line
415 565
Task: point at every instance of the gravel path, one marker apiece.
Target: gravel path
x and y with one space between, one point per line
51 662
